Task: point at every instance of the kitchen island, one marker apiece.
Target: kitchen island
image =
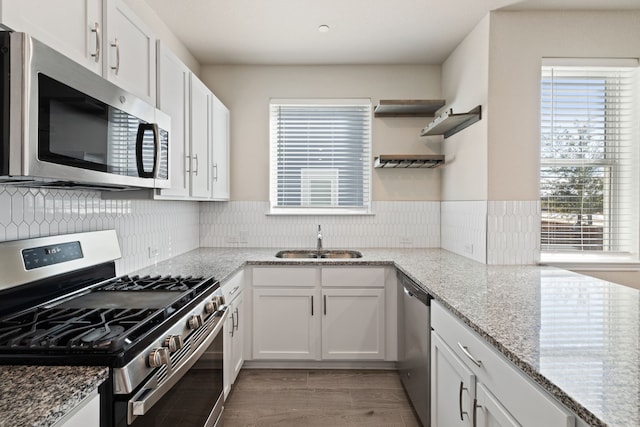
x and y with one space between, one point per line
575 336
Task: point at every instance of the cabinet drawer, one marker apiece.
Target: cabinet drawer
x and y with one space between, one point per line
525 400
287 276
360 277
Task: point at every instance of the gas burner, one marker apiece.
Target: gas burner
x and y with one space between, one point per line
166 283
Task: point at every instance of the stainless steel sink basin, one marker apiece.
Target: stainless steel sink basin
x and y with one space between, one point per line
304 253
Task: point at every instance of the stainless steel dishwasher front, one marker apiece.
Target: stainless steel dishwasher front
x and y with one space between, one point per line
415 345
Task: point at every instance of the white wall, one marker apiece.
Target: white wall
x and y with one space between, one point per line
518 41
246 90
465 82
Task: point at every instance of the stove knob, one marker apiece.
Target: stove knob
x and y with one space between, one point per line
159 356
195 321
219 300
210 307
173 343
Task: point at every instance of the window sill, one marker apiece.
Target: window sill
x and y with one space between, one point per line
591 262
318 212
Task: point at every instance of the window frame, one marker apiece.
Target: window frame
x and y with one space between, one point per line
613 193
366 164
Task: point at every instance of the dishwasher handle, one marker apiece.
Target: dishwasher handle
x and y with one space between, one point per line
414 290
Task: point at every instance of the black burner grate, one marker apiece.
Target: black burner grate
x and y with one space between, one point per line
111 318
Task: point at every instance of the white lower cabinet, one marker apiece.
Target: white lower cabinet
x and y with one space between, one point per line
353 324
489 412
473 384
85 414
304 314
452 387
234 328
286 323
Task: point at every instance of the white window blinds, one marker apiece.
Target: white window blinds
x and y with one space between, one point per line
588 158
320 156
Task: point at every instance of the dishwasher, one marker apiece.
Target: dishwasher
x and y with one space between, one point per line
414 345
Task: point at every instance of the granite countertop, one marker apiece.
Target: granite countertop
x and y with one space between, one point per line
576 336
39 396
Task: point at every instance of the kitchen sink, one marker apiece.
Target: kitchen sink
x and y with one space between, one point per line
307 253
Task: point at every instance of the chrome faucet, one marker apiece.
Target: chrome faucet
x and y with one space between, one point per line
319 244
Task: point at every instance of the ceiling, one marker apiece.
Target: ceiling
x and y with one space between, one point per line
360 31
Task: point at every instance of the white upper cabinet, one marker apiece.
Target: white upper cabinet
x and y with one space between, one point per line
130 51
74 30
199 147
103 35
173 98
220 143
201 150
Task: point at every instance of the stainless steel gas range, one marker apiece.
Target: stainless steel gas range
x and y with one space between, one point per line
61 304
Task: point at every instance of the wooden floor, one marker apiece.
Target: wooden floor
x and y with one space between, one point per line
304 398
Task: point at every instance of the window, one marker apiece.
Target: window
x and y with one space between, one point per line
589 158
320 156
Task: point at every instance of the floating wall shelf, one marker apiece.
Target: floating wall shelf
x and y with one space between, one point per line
449 123
408 161
408 108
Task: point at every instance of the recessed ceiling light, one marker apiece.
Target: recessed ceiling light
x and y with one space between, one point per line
323 28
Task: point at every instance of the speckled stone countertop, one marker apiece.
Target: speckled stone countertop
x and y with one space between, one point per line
39 396
576 336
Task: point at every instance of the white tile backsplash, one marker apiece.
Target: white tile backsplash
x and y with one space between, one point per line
148 231
394 224
464 228
513 229
493 232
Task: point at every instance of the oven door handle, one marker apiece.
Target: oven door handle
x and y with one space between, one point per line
151 393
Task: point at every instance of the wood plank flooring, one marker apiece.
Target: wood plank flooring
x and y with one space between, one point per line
301 398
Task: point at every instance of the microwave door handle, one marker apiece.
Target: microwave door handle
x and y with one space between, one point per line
142 129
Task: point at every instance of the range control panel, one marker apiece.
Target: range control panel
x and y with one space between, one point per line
49 255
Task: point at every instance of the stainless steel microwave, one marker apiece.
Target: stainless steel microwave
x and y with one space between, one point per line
64 126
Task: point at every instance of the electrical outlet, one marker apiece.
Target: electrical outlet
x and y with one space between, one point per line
406 241
153 252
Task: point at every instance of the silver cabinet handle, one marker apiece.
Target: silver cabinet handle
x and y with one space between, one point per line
96 54
215 172
325 304
187 164
462 413
464 349
195 169
116 44
237 319
312 305
234 290
475 412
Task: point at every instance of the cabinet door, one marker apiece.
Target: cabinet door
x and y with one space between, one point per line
237 334
452 387
227 353
86 414
200 138
173 99
130 50
74 30
489 412
285 324
220 143
353 324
